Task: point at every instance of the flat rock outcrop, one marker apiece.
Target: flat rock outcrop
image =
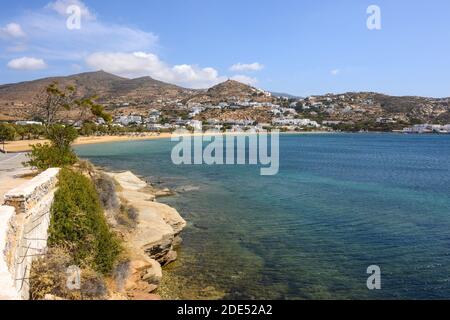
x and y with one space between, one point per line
154 237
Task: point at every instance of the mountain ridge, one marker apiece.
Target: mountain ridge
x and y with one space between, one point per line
139 95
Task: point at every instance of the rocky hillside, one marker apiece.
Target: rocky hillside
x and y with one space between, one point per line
124 96
415 107
111 90
231 91
363 106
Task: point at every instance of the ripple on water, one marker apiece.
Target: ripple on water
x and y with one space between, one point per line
339 204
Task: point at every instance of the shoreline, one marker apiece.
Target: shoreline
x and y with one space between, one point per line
20 146
153 242
25 145
150 244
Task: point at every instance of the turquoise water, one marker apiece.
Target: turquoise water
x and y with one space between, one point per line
339 204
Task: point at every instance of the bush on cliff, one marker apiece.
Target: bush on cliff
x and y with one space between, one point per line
78 223
44 156
56 154
119 211
106 188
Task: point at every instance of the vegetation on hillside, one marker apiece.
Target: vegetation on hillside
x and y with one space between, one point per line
57 153
80 236
78 223
7 133
50 109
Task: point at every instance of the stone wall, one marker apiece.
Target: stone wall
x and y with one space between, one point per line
27 235
7 289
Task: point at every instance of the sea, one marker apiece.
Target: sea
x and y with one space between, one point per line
340 204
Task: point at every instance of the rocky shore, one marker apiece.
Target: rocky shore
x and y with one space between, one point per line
150 231
152 241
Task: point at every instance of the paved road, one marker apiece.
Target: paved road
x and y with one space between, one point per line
11 169
9 158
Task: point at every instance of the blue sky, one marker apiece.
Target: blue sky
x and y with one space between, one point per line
299 47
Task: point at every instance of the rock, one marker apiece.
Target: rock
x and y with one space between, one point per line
144 275
158 250
164 193
52 297
129 181
155 235
153 275
144 296
151 288
169 258
117 297
135 269
139 265
172 217
177 241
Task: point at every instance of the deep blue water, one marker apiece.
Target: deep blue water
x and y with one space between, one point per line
340 203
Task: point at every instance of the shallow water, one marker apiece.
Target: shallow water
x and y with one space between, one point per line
340 203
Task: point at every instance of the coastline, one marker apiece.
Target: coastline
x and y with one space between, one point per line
25 145
151 243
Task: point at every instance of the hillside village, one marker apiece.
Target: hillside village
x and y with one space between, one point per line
156 106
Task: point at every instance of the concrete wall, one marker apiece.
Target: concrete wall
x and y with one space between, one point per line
26 235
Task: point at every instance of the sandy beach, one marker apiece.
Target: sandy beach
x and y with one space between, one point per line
25 145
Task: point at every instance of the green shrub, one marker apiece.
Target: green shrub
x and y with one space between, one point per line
57 154
44 156
78 223
61 136
7 132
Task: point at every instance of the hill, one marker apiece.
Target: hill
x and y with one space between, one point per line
123 96
231 91
114 91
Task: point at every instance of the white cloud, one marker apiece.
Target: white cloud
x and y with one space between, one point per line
27 63
119 49
245 79
12 30
60 6
49 37
140 64
335 72
240 67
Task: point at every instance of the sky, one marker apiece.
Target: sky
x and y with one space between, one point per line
301 47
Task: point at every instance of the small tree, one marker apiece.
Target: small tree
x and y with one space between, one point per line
22 131
55 107
57 154
7 133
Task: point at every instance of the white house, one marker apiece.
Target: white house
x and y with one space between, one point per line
196 124
127 120
295 122
28 123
